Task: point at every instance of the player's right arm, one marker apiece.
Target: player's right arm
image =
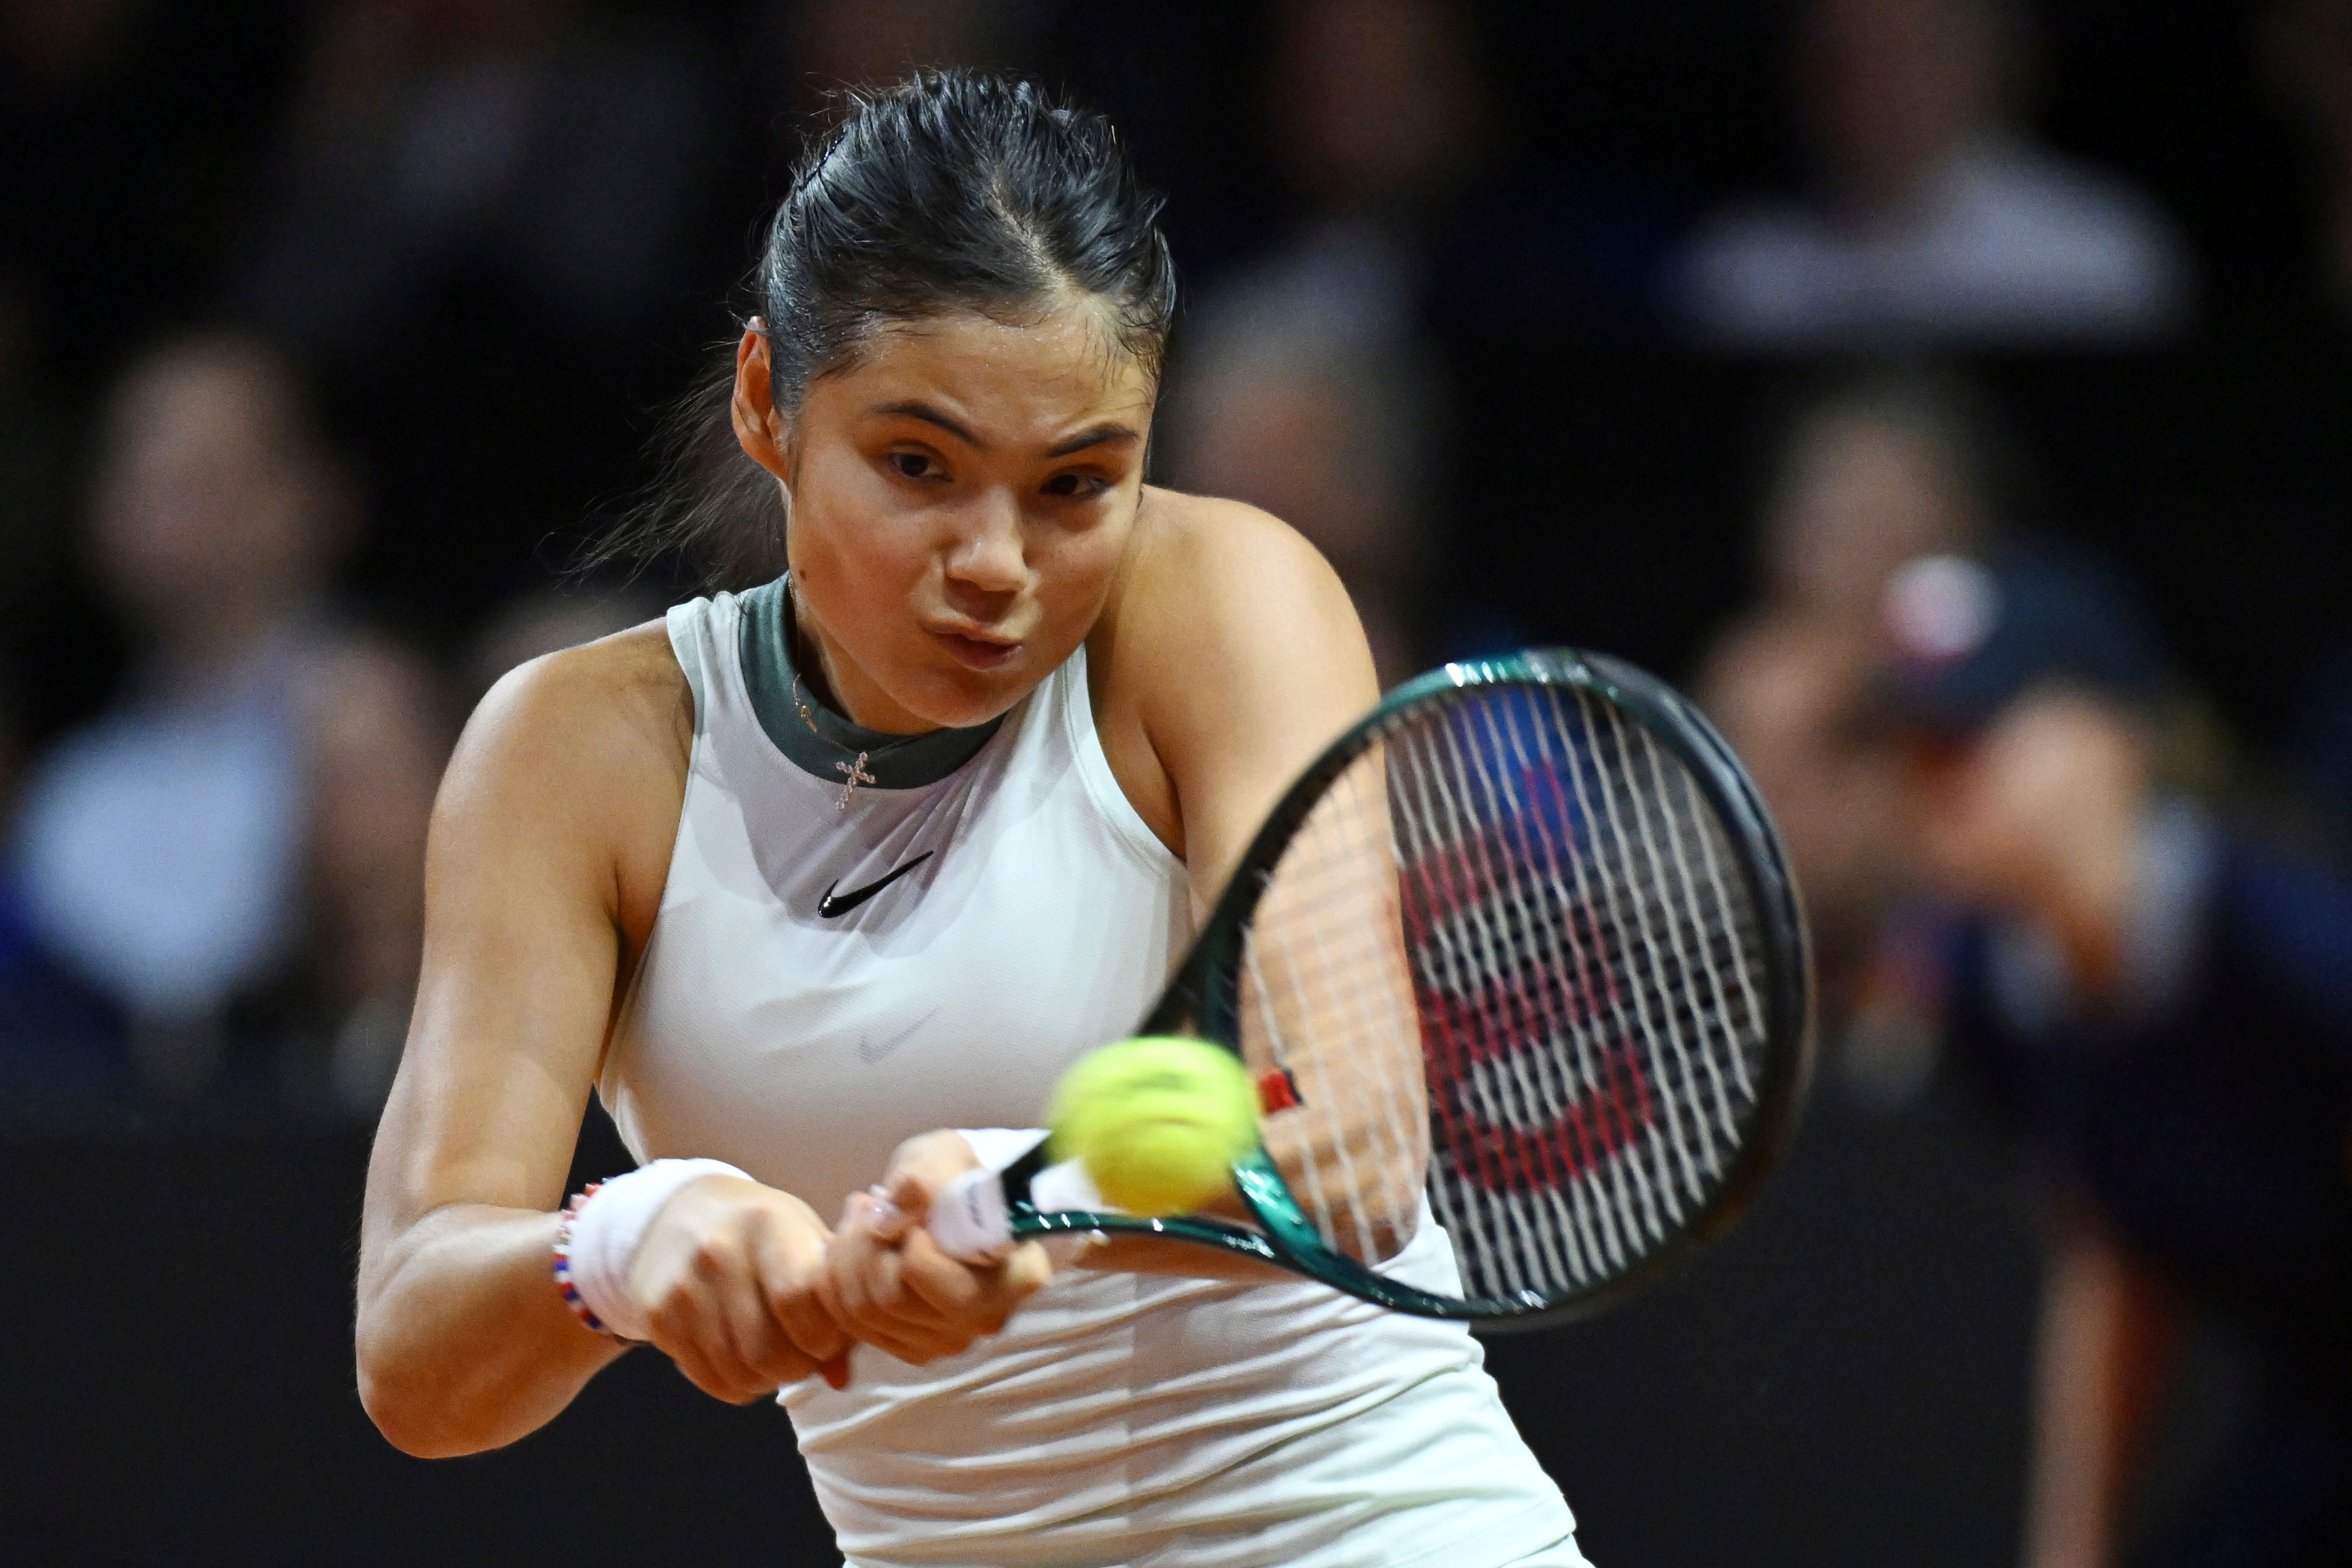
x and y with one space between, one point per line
550 844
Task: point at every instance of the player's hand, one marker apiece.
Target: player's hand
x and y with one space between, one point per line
728 1274
887 1281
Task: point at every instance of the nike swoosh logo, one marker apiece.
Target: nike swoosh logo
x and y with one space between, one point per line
830 907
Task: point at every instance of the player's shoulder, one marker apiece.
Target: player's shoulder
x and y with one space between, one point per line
1202 567
1223 606
612 711
630 675
1187 538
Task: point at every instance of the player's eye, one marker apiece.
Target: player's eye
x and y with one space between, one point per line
915 465
1076 486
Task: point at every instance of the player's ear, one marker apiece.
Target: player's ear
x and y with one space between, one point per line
760 429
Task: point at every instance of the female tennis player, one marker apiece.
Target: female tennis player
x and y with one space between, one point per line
812 872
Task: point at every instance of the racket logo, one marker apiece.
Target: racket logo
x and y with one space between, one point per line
1614 1111
1518 990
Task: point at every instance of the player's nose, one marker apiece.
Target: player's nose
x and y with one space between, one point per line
987 553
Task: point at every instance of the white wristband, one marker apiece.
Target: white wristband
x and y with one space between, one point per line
607 1227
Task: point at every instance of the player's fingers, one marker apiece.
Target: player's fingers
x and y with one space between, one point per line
809 1327
728 1387
790 1272
738 1337
976 1299
861 1285
840 1280
921 1167
884 1217
1027 1271
864 1289
689 1326
898 1302
911 1331
951 1288
1013 1282
767 1339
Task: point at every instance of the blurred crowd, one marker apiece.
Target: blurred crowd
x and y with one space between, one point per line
2037 877
325 330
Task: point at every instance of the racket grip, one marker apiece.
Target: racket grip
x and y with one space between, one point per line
971 1219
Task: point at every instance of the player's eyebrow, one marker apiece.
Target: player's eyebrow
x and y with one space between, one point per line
915 408
1109 430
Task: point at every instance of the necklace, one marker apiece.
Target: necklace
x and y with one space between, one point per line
853 771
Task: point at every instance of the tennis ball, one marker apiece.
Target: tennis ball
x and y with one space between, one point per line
1158 1122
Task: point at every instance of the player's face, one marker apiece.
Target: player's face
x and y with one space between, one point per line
962 495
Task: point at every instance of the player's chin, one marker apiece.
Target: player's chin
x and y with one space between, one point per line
959 697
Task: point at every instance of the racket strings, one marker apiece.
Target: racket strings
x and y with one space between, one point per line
1509 962
1328 1004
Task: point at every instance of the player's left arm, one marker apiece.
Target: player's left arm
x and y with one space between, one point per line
1240 656
1238 653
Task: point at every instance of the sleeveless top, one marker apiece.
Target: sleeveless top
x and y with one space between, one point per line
836 967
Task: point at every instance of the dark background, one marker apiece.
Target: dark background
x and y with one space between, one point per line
1602 477
1842 1381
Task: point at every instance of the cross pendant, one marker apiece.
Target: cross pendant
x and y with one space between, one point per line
857 776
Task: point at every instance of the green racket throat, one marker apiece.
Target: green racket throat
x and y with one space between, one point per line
1288 1240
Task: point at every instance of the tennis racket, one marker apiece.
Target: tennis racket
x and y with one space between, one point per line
1520 953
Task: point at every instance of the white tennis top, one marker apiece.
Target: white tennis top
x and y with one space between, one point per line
1118 1418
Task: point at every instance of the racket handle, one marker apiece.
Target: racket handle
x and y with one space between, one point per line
971 1219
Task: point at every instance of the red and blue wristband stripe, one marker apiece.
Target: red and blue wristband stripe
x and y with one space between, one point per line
563 1262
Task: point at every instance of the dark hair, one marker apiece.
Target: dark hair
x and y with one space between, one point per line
952 191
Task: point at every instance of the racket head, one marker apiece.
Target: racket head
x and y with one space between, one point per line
1568 769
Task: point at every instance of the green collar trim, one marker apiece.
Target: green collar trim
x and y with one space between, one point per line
819 743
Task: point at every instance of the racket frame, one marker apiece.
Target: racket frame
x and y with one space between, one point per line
1204 999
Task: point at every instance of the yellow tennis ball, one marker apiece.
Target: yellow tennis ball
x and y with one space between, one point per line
1158 1122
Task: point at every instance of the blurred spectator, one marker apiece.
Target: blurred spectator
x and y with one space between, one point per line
1309 385
1934 217
1888 466
1373 109
1892 465
2158 996
1336 433
1374 105
439 143
2308 50
233 855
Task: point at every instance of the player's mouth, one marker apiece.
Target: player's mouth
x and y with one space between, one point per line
975 652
